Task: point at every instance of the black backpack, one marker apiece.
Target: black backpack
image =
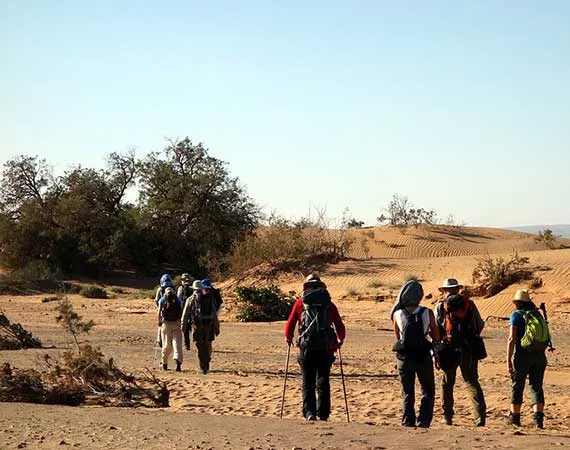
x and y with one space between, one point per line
413 343
171 309
187 292
204 306
315 328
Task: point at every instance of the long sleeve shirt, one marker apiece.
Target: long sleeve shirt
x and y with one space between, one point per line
297 313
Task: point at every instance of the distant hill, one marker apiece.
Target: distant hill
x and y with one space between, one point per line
558 230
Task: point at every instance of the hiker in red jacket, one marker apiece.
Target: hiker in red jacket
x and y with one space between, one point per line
317 341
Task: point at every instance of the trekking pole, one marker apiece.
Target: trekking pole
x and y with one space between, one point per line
285 380
343 385
543 308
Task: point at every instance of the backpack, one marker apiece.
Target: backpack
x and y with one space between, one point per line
315 328
536 335
187 291
204 307
459 321
171 309
413 343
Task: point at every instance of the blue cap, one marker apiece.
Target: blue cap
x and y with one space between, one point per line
206 284
166 281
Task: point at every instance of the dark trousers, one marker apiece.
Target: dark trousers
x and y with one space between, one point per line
470 373
187 337
315 372
531 365
408 369
203 336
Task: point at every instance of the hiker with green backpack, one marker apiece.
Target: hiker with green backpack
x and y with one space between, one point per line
412 324
528 339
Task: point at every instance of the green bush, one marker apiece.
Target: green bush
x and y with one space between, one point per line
263 304
494 275
411 277
117 290
374 284
93 292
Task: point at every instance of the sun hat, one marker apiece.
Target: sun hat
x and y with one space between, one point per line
185 277
522 295
166 281
450 283
197 285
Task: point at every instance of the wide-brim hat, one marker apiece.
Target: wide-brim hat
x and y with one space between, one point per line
450 283
522 295
197 285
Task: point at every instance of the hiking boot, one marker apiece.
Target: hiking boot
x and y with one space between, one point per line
447 420
178 366
514 419
310 417
480 422
538 419
323 419
165 367
422 424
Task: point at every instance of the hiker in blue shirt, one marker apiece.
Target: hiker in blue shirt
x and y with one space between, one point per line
529 359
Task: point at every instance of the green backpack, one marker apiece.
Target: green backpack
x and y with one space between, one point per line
536 336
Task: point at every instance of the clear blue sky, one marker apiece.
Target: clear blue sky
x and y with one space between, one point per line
462 106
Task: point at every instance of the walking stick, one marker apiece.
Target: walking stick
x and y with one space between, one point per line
543 308
285 380
343 385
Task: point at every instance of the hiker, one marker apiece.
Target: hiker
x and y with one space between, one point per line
165 282
169 314
217 295
317 341
200 311
185 291
528 339
412 323
460 326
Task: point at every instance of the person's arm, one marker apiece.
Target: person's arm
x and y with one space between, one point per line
511 347
396 330
185 314
479 324
439 318
292 321
433 330
338 323
157 296
158 317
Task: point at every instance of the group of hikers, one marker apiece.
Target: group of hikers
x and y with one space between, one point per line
447 338
192 307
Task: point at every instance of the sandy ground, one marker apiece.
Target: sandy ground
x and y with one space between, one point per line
237 405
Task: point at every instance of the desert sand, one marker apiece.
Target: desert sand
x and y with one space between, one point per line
237 404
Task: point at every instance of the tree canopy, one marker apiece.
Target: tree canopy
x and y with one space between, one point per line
189 212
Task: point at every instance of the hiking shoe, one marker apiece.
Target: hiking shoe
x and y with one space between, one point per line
480 422
447 420
422 425
323 419
165 367
538 419
178 366
310 417
514 419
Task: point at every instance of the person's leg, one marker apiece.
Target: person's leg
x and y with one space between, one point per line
470 372
324 364
536 381
427 382
166 336
407 374
447 384
309 378
177 342
187 337
518 380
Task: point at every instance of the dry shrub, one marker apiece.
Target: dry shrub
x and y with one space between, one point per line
93 292
494 275
295 244
82 376
14 336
